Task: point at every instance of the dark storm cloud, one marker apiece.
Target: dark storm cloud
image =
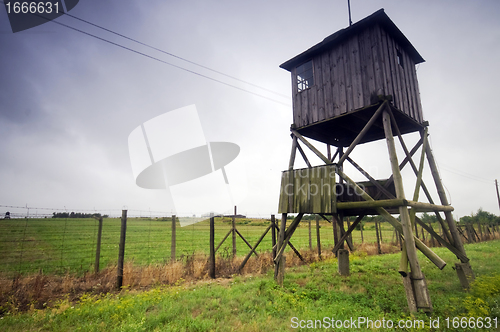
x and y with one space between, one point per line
19 94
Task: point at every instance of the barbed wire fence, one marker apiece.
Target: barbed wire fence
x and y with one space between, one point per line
61 241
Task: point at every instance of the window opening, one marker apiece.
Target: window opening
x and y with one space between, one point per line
305 78
400 58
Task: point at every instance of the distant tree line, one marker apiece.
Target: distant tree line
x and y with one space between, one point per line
482 217
77 215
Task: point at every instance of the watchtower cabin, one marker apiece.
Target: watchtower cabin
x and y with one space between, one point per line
337 82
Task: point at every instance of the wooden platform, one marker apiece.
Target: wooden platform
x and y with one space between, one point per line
342 130
315 191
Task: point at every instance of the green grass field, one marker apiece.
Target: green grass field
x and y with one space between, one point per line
311 292
68 245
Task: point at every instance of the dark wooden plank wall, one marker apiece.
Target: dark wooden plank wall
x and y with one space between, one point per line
309 190
345 78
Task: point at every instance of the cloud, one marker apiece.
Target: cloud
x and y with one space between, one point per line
68 101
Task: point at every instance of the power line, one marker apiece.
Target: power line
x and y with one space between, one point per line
460 172
178 57
170 64
166 62
466 175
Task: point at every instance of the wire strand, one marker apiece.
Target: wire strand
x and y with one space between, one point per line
178 57
163 61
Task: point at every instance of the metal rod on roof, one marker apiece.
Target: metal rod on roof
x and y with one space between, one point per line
349 9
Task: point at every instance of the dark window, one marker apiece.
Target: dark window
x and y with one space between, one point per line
305 78
400 58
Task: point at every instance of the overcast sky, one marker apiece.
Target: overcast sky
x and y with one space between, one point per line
68 101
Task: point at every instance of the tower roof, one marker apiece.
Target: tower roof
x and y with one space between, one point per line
379 17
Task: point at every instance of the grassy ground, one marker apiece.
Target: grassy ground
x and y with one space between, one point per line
68 245
310 292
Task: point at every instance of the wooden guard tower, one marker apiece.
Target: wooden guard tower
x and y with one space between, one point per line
359 85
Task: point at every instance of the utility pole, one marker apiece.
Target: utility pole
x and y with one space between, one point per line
498 195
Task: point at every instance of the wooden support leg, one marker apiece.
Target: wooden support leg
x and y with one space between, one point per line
284 239
335 232
410 296
281 237
419 285
343 262
280 274
457 241
465 274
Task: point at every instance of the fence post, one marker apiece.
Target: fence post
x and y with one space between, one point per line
273 234
98 247
211 268
318 239
121 250
234 232
361 229
173 240
310 239
378 237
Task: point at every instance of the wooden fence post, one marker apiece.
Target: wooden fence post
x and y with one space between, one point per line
211 270
121 250
173 240
310 238
361 229
379 250
234 232
481 237
98 247
432 237
273 235
380 231
318 239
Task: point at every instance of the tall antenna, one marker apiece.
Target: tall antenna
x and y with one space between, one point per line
349 9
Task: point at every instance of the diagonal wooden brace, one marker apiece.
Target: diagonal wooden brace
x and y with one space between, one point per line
311 147
288 234
394 222
362 133
445 243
